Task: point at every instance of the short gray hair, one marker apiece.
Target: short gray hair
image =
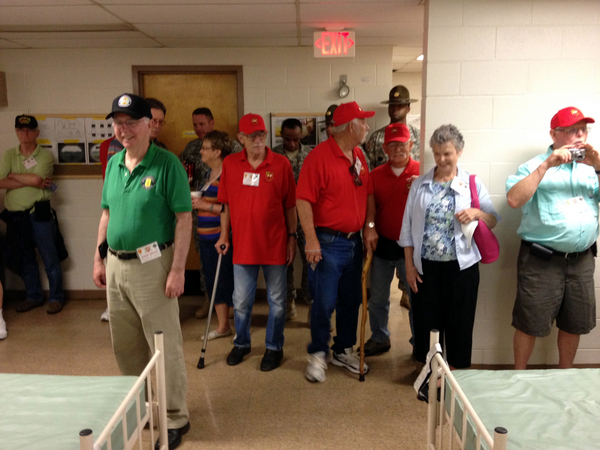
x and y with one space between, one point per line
342 127
448 133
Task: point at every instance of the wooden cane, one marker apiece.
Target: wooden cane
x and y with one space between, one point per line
363 320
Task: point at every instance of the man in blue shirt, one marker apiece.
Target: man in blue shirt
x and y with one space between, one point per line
558 193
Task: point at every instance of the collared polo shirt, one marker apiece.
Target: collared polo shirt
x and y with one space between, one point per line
12 162
327 184
258 224
143 204
549 217
390 193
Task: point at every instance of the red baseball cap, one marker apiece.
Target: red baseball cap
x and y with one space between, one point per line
396 132
349 111
251 123
567 117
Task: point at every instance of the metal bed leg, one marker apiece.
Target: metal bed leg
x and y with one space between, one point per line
86 440
500 438
432 405
161 394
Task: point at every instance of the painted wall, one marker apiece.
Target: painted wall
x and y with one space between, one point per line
499 70
87 80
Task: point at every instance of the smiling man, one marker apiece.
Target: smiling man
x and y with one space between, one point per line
146 223
558 194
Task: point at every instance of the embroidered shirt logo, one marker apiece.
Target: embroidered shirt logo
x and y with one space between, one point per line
148 182
269 176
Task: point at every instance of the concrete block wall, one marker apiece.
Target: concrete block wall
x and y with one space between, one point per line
87 80
499 70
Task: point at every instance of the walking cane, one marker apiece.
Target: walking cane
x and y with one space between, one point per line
363 319
210 309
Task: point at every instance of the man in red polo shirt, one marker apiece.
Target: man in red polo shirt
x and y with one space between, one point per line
332 196
391 183
257 186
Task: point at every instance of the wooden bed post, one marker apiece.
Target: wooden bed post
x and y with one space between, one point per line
162 394
86 440
434 338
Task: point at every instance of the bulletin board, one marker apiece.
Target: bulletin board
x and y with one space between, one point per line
74 140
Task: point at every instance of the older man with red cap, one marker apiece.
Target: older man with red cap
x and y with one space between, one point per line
332 205
259 193
391 183
558 194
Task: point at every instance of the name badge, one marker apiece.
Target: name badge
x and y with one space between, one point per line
251 179
30 162
358 165
148 252
576 205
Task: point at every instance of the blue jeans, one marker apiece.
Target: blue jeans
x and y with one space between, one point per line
245 276
382 274
335 284
43 235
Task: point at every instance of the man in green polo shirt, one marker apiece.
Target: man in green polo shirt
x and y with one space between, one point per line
146 222
25 173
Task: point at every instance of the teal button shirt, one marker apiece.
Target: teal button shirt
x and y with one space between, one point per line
549 217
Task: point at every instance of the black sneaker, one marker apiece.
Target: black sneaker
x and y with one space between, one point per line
236 355
271 360
174 437
373 348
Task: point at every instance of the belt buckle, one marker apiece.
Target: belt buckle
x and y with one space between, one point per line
349 235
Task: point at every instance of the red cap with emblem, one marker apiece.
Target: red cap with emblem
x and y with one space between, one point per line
397 132
567 117
251 123
349 111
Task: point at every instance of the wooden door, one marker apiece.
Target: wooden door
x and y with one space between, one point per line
182 90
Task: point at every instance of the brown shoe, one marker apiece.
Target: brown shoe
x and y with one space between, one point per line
54 307
28 305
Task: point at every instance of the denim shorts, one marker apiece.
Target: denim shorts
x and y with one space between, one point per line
560 289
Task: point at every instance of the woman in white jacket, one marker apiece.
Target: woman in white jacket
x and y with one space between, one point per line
441 264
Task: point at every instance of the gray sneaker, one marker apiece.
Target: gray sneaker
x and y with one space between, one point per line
315 371
348 359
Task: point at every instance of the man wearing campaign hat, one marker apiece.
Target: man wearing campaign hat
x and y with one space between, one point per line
144 234
25 173
259 193
398 108
329 119
333 188
558 194
391 183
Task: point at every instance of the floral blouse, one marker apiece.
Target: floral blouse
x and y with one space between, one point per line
438 238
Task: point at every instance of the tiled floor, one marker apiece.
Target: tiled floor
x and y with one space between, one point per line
240 407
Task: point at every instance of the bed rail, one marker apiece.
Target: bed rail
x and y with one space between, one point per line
437 415
153 407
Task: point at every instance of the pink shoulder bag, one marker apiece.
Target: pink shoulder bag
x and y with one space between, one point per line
484 238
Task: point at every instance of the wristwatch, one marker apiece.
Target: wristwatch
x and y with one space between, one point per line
293 234
371 225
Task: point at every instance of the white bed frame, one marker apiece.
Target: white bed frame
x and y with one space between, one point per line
155 408
437 416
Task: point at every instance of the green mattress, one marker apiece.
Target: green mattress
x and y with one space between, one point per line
48 411
541 409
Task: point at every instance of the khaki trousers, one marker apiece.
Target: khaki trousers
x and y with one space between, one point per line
138 307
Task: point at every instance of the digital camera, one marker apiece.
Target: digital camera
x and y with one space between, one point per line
577 154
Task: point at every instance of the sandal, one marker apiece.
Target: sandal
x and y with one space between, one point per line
214 334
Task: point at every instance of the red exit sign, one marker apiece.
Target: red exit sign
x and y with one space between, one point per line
333 44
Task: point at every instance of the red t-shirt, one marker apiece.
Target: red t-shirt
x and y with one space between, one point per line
390 194
326 182
258 224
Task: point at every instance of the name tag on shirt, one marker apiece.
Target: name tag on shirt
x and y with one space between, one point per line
148 252
251 179
358 166
30 162
576 205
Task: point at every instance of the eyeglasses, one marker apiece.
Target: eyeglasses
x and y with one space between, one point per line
572 131
160 122
129 123
355 176
257 135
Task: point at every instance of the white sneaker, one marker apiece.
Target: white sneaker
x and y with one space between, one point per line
3 332
349 359
315 371
104 316
214 334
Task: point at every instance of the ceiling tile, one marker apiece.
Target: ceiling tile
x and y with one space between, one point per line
232 42
361 13
89 43
161 14
371 29
55 15
72 35
217 30
44 2
186 2
8 44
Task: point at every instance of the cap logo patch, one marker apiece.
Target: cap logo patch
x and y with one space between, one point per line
148 182
254 121
124 101
396 94
574 112
395 130
24 120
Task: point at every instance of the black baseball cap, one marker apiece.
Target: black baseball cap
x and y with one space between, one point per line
24 121
329 113
132 105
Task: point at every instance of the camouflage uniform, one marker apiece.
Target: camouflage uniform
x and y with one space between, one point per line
296 166
376 155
